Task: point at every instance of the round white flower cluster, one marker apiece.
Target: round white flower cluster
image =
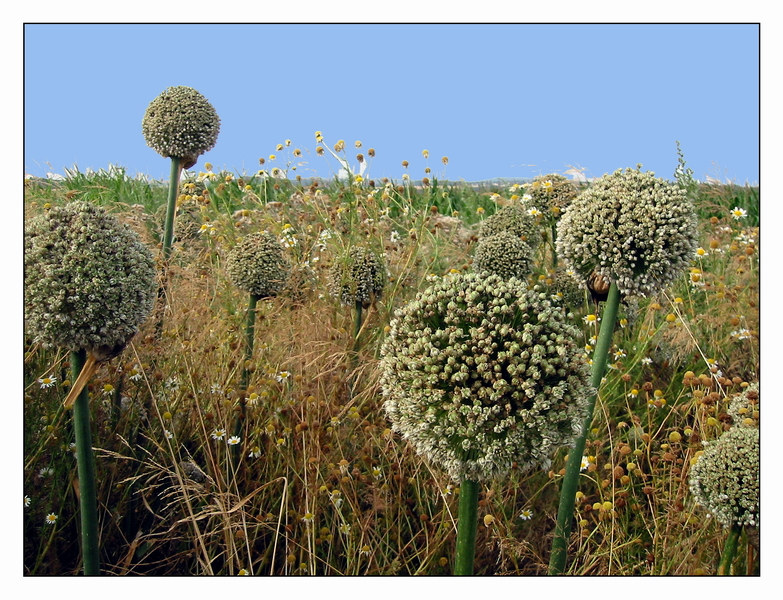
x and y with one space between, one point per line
513 219
257 265
565 286
181 123
551 194
357 277
479 373
89 280
744 408
503 254
630 228
725 478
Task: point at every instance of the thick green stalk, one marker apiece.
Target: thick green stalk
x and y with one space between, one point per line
250 334
565 512
171 207
729 550
467 522
168 236
357 327
85 461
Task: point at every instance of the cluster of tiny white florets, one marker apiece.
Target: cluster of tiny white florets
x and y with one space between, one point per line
257 265
551 194
89 280
181 123
567 289
503 254
358 276
513 219
744 408
725 478
479 373
631 228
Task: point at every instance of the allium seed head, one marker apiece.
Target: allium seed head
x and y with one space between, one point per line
357 276
744 408
513 219
479 373
552 193
181 123
89 280
257 265
503 254
630 228
725 478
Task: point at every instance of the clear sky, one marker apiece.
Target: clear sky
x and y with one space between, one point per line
499 100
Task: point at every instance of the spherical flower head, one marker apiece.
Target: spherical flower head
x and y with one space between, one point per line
567 288
181 123
744 408
552 193
357 277
725 478
503 254
257 265
630 228
89 280
515 220
479 373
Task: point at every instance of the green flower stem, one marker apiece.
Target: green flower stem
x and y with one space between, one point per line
565 510
357 327
85 460
250 334
729 550
171 208
467 522
168 236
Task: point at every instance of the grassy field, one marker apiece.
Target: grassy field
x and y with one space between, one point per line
317 483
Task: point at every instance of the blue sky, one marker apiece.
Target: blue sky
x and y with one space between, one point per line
499 100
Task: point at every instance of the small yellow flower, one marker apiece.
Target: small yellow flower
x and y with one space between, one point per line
425 153
488 520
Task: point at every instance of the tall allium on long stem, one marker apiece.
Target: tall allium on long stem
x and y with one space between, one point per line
256 265
629 234
357 279
89 284
725 481
479 373
182 125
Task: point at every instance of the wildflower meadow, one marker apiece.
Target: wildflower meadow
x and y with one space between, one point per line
269 374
